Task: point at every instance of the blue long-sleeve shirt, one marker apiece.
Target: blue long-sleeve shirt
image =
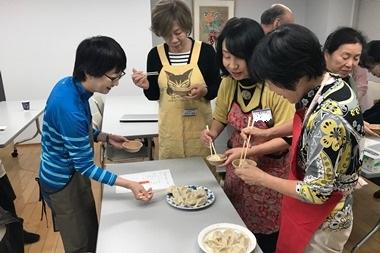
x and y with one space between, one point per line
66 139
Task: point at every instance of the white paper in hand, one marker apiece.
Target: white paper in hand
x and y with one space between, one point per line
158 180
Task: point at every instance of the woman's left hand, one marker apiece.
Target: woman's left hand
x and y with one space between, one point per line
117 140
251 175
197 91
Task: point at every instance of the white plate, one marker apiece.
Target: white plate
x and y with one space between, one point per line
223 226
209 201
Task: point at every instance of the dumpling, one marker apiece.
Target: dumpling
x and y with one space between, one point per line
226 241
184 196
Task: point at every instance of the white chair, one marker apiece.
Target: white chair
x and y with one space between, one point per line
2 92
97 107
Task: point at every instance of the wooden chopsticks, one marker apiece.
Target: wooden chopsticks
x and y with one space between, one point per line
246 142
212 146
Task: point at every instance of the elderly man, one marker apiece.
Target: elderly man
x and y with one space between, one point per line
276 15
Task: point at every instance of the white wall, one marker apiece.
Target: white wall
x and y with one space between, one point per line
320 16
39 39
324 16
367 21
254 8
368 18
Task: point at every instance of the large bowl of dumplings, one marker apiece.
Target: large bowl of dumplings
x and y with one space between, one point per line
226 238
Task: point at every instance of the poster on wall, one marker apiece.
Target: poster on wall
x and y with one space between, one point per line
210 17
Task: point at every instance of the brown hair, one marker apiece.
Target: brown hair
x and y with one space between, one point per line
166 12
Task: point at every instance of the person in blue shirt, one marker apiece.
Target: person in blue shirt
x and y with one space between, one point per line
67 163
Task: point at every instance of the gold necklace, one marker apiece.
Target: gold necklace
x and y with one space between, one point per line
247 87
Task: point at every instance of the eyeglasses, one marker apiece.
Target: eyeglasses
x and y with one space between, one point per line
113 79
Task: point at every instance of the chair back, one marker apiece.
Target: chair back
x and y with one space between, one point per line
2 92
97 107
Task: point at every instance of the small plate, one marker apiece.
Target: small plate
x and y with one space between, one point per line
223 226
209 201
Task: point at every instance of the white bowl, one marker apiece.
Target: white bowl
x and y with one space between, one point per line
223 226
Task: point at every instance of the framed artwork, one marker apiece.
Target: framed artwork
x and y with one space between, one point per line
210 17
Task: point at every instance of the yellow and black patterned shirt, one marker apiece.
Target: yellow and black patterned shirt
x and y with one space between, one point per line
329 150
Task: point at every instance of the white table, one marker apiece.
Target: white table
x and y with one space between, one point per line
16 119
369 142
116 106
127 225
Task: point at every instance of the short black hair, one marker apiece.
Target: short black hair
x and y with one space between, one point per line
96 56
371 54
341 36
286 55
241 36
268 16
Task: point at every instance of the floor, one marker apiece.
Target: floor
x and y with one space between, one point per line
23 170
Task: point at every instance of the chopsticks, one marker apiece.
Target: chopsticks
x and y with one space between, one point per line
153 73
246 142
212 146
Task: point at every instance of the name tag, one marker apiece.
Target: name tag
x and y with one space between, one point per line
264 115
190 112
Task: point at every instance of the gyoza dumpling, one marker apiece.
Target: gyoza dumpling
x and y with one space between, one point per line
237 249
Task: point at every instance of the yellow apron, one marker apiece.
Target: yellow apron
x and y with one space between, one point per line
181 120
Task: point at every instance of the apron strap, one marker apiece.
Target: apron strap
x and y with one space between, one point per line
43 203
196 52
162 55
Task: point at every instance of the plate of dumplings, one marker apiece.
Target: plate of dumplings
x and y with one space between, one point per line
190 197
226 238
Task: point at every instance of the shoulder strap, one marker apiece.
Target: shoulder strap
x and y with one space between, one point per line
162 54
196 51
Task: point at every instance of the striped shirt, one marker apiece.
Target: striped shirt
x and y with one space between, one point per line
66 139
179 58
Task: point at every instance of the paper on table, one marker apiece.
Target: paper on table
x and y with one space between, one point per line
158 180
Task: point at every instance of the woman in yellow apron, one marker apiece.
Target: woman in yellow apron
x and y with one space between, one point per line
181 63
